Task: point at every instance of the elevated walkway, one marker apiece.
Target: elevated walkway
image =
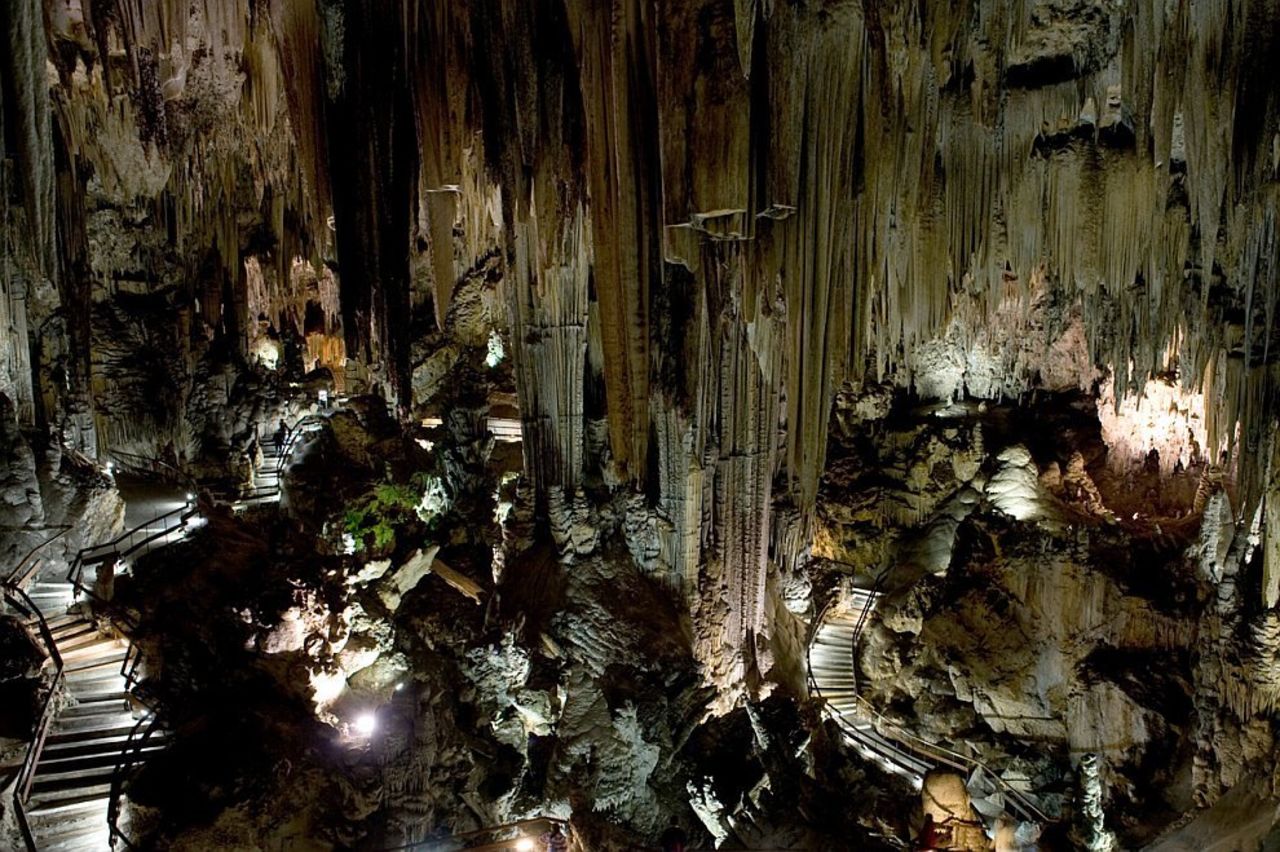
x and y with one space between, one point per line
833 679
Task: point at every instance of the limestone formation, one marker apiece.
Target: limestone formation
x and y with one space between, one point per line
665 334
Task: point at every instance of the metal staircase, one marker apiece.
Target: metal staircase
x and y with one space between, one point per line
63 795
267 477
833 679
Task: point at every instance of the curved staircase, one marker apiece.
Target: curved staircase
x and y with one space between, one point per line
833 679
66 791
833 676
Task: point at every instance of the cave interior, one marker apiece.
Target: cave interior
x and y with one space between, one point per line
639 424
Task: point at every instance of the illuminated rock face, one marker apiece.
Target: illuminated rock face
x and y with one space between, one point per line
711 216
712 237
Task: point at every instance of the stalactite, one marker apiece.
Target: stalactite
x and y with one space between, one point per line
23 82
735 205
817 257
440 34
372 139
614 47
296 26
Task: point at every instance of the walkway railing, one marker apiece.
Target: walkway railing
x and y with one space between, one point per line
118 549
27 565
149 466
15 595
17 598
125 545
292 438
130 755
910 746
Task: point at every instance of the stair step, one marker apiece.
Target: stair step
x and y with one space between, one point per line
49 600
98 663
831 693
75 766
101 720
108 704
69 625
71 640
46 816
90 837
116 726
86 653
49 806
89 684
87 832
115 744
60 789
96 689
58 622
831 677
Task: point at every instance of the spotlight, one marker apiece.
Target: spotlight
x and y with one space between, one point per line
525 844
190 497
365 724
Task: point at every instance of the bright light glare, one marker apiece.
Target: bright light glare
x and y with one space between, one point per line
525 844
326 687
190 496
365 724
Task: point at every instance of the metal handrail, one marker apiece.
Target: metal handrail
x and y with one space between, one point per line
129 756
293 436
121 547
14 593
113 549
899 736
863 617
158 467
17 597
18 576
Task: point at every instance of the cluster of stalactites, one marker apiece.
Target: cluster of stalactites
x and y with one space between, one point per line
881 184
183 109
24 107
783 197
1131 155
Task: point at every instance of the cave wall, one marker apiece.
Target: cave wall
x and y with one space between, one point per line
712 217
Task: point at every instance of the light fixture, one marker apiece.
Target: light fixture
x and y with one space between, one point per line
525 844
365 724
399 686
190 496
